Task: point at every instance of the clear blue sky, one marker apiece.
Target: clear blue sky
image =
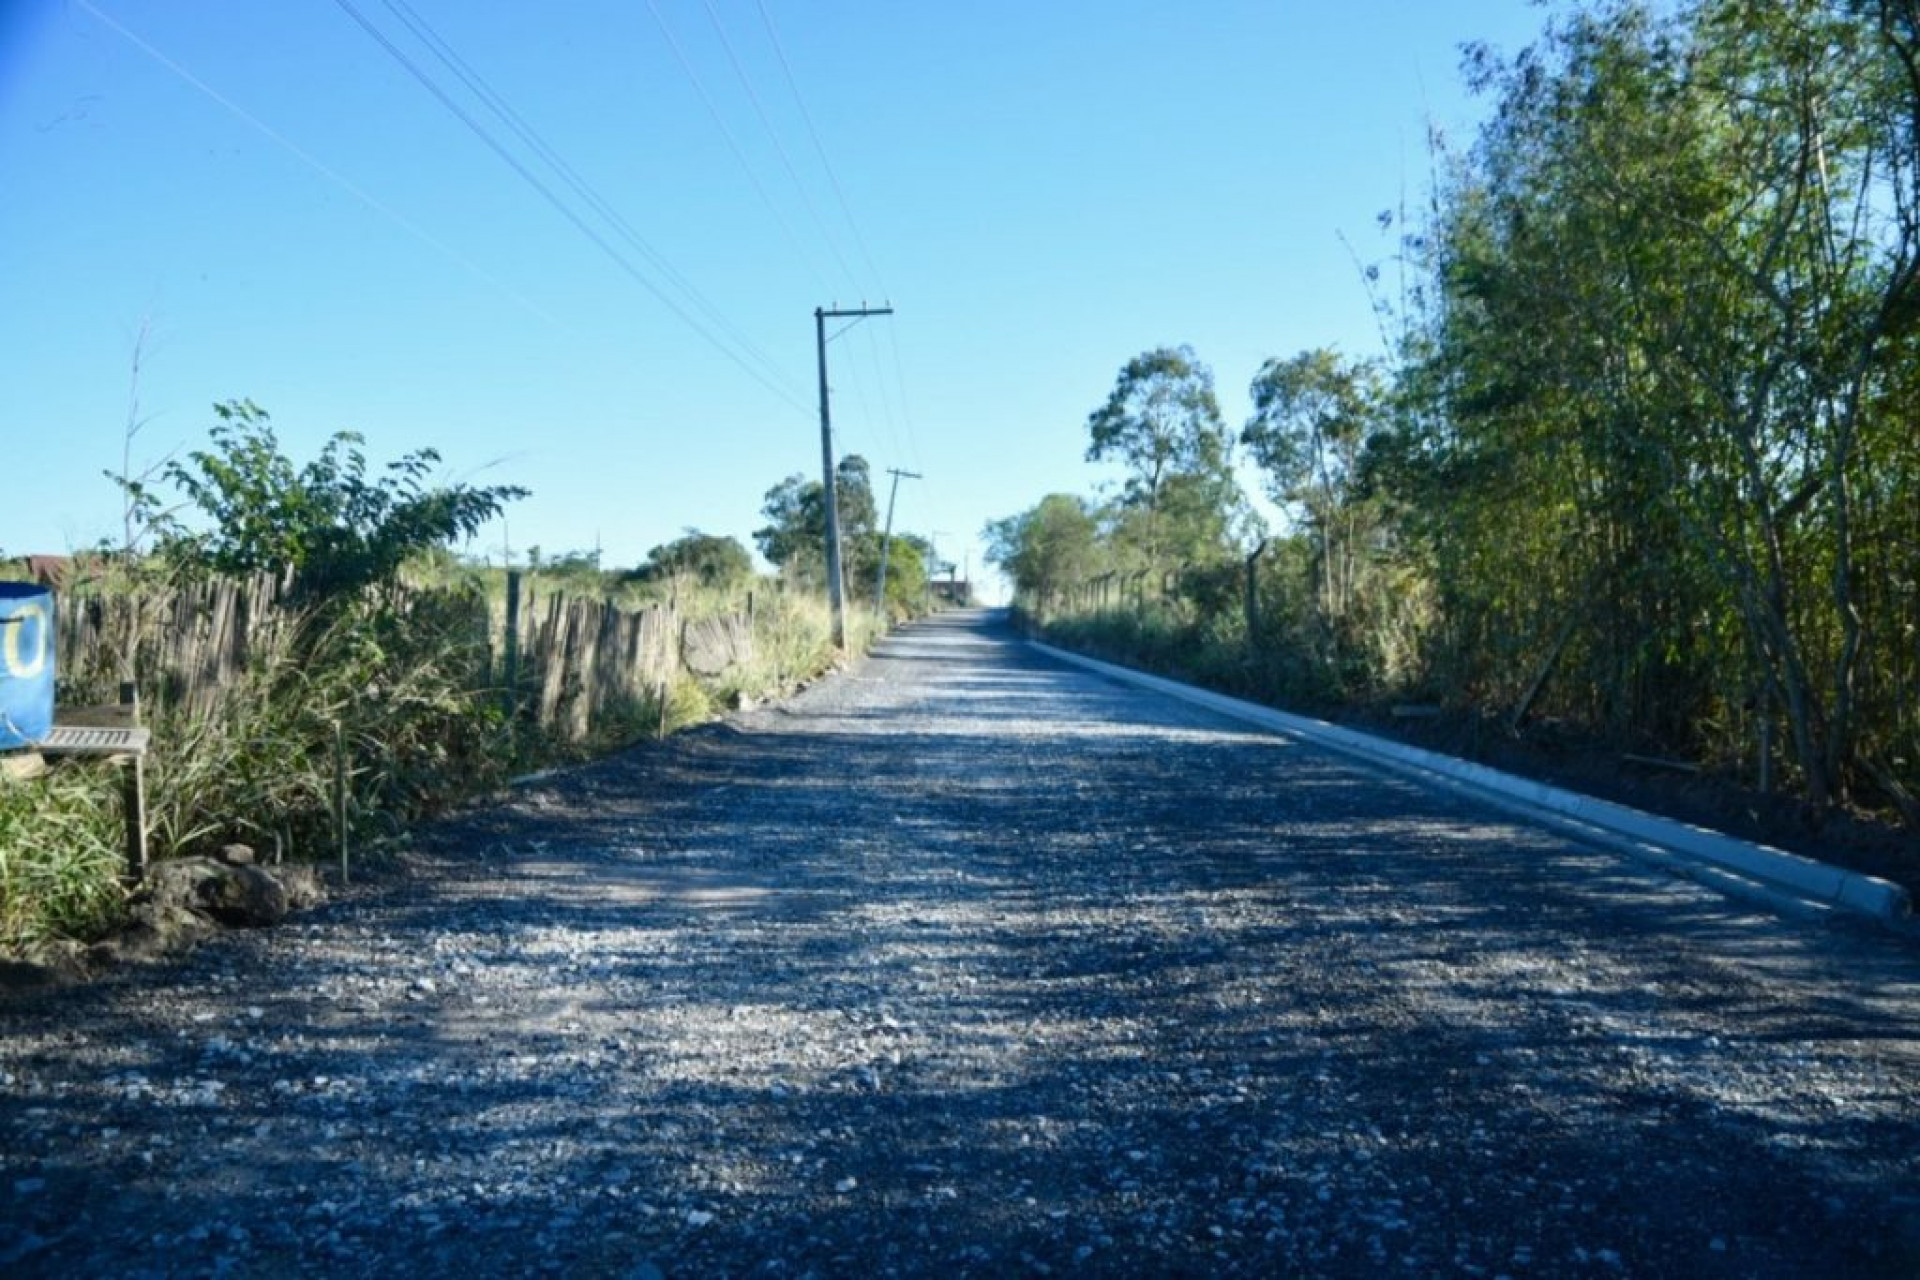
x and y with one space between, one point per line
1042 190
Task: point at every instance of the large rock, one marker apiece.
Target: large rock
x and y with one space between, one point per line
232 893
300 880
302 883
184 900
154 931
711 647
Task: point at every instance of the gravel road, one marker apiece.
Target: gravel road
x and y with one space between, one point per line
964 963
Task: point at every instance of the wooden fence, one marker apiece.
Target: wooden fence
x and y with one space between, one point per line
187 645
570 666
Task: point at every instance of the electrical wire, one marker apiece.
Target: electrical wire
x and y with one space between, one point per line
906 402
846 211
497 103
779 147
733 145
880 389
320 167
847 374
855 383
839 193
560 206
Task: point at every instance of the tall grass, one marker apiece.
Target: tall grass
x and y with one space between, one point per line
394 696
793 643
1211 651
60 856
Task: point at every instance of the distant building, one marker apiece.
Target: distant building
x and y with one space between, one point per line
53 571
48 571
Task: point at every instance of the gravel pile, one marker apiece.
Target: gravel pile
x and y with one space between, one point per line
965 964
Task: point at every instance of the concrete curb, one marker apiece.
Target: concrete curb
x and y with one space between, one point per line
1772 876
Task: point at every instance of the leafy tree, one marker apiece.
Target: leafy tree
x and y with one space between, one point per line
326 522
1313 416
1047 549
1679 280
853 486
1162 423
713 561
906 574
576 572
794 537
793 527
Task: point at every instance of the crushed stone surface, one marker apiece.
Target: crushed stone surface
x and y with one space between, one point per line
964 963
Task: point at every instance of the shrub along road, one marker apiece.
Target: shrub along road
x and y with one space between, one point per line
967 963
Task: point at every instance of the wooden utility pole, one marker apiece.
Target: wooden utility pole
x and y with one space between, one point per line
836 585
933 561
886 538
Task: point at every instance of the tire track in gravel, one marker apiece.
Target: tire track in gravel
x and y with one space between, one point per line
964 963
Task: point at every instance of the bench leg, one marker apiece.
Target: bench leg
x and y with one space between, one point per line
133 791
133 782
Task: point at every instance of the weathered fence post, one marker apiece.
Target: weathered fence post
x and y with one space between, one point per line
511 677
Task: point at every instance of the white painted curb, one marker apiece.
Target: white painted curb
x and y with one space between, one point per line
1671 842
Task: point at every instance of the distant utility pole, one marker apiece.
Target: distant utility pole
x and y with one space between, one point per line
933 560
886 539
836 586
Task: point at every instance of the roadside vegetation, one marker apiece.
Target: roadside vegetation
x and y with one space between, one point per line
374 689
1639 458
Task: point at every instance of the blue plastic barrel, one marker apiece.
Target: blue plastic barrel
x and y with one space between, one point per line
26 664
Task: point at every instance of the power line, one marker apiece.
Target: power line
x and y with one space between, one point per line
759 109
906 404
853 382
880 389
846 211
793 86
320 167
495 101
560 206
733 145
